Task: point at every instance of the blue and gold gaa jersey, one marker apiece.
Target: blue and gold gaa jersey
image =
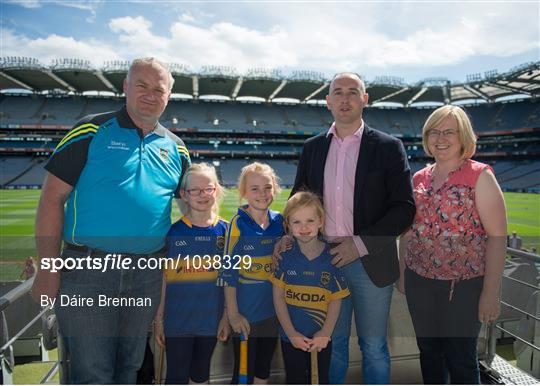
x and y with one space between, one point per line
193 302
310 285
253 288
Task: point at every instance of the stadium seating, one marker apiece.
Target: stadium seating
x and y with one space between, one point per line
13 167
237 117
34 176
276 120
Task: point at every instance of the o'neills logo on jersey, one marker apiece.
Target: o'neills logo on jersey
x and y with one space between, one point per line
164 154
249 247
190 270
304 296
180 243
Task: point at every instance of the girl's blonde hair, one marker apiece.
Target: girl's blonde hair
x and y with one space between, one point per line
301 200
206 170
260 168
467 138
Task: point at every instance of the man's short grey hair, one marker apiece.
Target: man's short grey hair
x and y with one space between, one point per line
350 75
151 61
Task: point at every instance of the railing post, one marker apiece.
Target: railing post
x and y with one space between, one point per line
492 342
63 360
6 358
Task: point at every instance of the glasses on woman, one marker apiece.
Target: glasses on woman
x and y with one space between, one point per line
197 192
445 133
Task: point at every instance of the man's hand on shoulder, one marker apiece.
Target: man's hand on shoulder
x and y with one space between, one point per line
282 245
345 252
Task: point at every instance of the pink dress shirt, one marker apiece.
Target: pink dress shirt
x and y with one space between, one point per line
339 176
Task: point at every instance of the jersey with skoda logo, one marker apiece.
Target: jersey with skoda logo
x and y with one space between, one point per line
193 302
310 285
253 288
123 183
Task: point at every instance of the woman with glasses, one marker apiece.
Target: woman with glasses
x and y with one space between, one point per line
452 257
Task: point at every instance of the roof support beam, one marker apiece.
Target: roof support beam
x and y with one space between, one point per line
418 95
59 80
391 95
447 93
105 81
508 88
195 82
237 88
478 93
277 90
523 80
14 80
316 91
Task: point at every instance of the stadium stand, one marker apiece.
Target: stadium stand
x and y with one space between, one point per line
33 176
13 167
234 132
243 117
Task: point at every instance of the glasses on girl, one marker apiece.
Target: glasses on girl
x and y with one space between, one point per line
197 192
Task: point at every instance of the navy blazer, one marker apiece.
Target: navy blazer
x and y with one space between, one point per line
383 196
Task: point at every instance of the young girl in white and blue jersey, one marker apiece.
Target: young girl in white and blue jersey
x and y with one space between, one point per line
192 305
307 291
253 232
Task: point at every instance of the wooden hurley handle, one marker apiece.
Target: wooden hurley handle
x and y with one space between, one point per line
160 365
314 368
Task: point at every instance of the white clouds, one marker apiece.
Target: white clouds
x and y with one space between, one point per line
54 47
25 3
85 5
129 25
380 37
228 44
187 17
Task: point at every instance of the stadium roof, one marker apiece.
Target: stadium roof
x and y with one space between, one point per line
78 76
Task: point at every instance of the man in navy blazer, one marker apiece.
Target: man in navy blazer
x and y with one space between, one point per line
364 179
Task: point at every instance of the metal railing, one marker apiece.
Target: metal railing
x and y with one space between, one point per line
491 334
7 360
7 357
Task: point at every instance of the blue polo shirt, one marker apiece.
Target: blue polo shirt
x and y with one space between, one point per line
123 183
253 288
193 302
310 285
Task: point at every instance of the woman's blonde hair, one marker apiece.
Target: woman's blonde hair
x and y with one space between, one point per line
260 168
206 170
301 200
467 138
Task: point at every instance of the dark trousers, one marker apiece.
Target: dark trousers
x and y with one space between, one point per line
298 364
188 357
261 346
446 326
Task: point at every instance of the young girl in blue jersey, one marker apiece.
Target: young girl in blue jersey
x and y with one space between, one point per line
191 313
253 231
307 291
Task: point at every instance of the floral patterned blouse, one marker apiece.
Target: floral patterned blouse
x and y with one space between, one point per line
447 237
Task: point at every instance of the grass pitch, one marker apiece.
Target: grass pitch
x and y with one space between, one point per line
18 212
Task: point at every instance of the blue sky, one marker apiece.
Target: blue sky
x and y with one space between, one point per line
412 40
